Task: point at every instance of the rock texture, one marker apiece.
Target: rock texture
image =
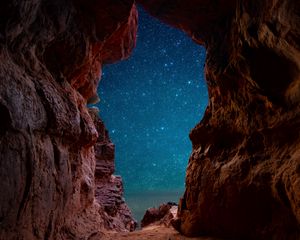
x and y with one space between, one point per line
51 53
163 215
243 177
109 188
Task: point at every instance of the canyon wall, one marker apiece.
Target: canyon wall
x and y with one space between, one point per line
243 176
56 160
51 145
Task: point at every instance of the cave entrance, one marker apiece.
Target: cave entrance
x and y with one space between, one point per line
149 103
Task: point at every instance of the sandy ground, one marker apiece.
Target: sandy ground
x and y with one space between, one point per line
155 233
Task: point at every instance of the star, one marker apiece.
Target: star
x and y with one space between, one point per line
149 104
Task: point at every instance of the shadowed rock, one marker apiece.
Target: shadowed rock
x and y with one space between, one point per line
243 178
163 215
51 53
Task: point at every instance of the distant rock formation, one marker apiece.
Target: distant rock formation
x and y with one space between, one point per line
163 215
51 53
243 176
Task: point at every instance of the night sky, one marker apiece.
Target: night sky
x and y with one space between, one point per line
150 102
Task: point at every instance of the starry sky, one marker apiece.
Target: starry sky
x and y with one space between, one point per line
150 102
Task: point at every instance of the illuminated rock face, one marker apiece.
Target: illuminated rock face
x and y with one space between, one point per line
51 54
243 176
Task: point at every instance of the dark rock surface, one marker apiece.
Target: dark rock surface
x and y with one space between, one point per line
51 53
243 177
109 188
163 215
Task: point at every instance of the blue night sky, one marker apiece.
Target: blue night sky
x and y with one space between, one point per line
150 102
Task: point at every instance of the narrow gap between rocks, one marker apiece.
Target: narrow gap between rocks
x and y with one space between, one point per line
149 103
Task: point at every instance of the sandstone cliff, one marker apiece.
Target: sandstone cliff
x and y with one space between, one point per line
51 53
243 177
108 187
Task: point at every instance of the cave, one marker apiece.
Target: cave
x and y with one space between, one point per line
57 159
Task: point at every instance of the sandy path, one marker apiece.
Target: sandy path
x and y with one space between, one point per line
155 233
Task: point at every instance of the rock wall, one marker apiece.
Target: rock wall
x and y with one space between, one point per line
51 53
109 188
243 176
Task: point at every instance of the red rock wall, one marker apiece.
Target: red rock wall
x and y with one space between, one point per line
109 188
51 54
243 177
